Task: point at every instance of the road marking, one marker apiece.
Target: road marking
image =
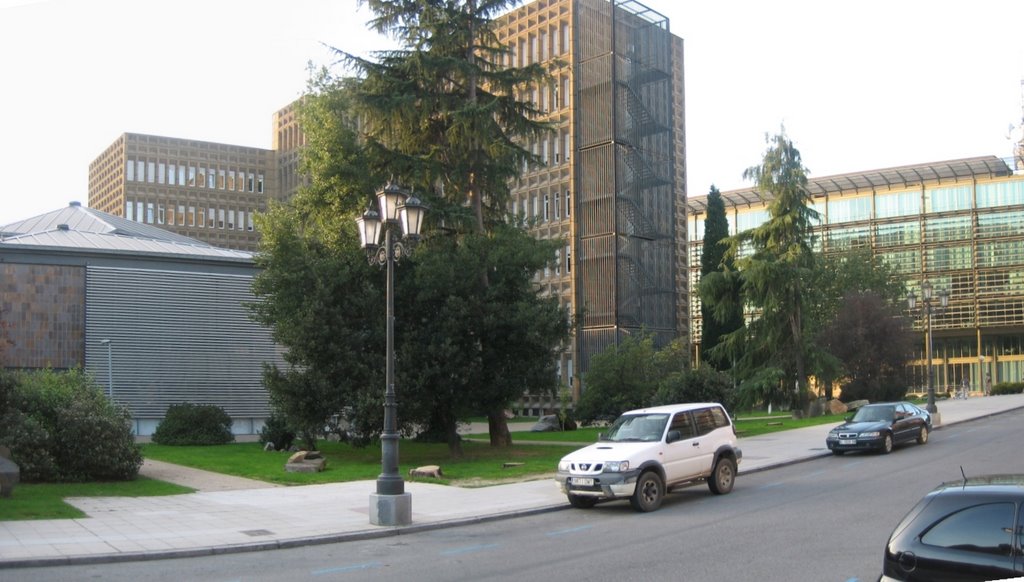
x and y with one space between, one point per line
816 473
468 549
342 569
853 580
769 486
567 531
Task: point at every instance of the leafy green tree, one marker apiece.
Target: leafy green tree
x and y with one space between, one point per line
775 261
719 279
873 340
324 306
623 377
836 276
704 384
442 114
470 344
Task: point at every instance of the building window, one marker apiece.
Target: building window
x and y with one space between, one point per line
251 186
129 171
568 147
221 179
211 179
181 175
231 219
547 201
231 180
181 215
201 217
138 212
129 210
192 176
568 205
259 183
171 174
161 175
250 225
140 171
161 214
151 172
210 222
568 259
558 205
220 218
191 215
149 213
558 262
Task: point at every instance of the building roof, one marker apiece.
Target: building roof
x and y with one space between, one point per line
886 178
78 227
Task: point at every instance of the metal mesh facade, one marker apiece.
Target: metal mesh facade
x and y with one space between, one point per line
626 221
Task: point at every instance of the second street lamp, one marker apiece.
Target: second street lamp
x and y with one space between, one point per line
399 211
929 309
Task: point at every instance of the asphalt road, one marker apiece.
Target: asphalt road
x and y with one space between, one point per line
821 520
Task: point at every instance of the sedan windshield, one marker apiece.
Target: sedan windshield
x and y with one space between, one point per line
875 414
637 427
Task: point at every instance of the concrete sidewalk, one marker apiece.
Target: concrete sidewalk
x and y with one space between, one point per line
230 514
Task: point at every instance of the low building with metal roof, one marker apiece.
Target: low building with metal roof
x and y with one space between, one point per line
156 317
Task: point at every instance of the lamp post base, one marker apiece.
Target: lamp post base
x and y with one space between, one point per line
936 419
391 509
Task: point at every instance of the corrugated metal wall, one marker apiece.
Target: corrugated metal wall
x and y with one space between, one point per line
177 337
626 196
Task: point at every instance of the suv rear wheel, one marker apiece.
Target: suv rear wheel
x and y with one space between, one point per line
650 490
723 476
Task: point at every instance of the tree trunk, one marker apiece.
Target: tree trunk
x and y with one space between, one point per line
454 441
497 426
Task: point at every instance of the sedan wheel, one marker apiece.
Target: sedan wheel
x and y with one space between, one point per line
923 437
887 444
649 492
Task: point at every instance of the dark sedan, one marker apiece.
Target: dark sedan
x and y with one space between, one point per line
880 427
963 530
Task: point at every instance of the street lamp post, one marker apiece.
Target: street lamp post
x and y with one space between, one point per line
928 308
390 505
110 368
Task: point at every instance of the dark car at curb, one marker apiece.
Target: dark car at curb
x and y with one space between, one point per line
880 427
965 530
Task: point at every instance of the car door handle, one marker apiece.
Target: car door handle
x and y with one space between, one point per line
696 444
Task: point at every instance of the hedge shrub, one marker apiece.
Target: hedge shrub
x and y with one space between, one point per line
194 424
1008 388
277 431
61 427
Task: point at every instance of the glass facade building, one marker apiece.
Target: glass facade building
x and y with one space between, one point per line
957 224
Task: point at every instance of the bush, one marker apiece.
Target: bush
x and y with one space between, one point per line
704 384
277 432
194 424
60 427
1008 388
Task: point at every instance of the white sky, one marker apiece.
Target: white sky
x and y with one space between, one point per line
858 85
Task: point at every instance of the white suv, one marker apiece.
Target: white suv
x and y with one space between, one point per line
648 452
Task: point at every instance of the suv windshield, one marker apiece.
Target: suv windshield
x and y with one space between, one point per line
637 427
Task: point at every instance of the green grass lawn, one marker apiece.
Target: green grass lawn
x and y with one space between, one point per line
479 465
46 500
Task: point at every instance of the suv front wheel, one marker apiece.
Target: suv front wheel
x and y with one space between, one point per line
650 490
723 476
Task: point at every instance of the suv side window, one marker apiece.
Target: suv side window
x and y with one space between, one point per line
684 424
705 421
721 420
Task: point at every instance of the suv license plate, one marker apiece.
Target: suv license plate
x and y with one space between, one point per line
847 442
583 481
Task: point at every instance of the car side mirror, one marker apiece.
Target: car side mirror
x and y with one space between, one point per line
673 436
848 418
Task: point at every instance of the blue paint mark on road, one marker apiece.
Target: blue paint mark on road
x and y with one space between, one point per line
568 531
343 569
468 549
853 580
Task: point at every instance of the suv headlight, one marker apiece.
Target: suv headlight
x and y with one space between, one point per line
616 466
563 465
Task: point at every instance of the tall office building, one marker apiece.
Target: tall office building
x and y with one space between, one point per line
203 190
613 183
957 224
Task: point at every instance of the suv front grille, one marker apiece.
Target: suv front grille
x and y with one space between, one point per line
587 467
